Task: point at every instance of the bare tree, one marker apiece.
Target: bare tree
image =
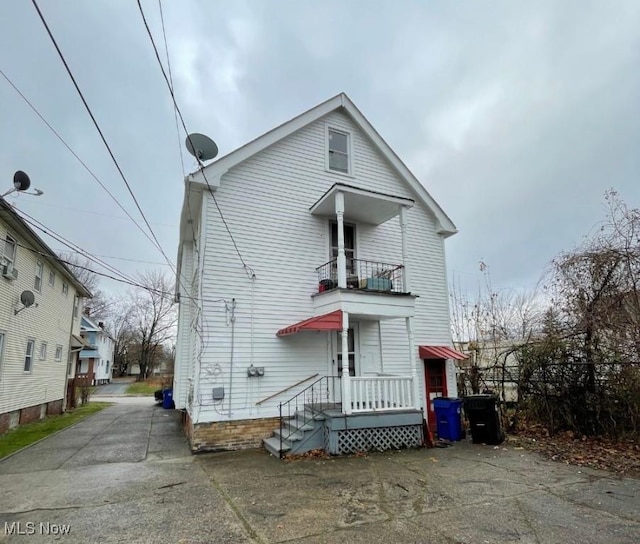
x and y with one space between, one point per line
82 269
152 319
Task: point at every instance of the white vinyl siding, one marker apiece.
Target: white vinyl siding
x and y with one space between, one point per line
265 202
50 322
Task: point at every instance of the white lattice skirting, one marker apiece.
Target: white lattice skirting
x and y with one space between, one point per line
378 439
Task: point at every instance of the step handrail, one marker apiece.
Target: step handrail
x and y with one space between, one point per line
312 394
287 389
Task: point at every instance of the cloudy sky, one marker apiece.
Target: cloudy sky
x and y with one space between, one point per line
516 116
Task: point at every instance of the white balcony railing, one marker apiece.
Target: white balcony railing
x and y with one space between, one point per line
381 393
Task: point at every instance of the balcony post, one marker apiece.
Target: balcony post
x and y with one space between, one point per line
346 378
414 366
405 253
342 260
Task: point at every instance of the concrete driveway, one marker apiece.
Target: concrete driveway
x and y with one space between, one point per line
118 386
126 475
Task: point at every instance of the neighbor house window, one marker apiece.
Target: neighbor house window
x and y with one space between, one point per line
28 356
9 251
58 353
65 288
37 284
43 350
52 278
1 351
338 151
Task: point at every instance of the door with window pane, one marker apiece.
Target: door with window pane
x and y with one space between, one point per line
352 354
349 247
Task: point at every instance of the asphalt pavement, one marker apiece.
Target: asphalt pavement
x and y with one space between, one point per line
126 475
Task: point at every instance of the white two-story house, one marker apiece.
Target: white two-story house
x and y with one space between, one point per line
40 309
313 293
96 359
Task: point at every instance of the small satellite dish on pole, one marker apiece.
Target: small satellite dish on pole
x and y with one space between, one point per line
201 147
27 299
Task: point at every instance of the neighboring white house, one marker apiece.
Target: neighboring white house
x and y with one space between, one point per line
38 343
96 359
337 249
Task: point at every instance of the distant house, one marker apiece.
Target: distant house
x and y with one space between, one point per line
96 359
333 330
40 311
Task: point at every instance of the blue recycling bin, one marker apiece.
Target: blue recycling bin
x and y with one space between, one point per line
448 418
167 399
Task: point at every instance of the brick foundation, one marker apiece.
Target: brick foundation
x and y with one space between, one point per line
32 413
4 422
54 408
241 434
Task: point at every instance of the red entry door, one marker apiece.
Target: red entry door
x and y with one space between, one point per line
436 383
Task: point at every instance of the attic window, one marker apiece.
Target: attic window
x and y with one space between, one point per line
338 151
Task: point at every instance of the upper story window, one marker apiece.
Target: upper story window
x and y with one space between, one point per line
37 284
65 288
9 250
52 278
76 306
339 151
28 355
58 356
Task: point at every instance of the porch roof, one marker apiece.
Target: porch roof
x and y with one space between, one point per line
440 352
360 205
327 322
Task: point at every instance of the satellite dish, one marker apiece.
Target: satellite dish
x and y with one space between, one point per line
201 147
27 298
21 181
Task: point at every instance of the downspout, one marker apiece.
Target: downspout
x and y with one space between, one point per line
233 329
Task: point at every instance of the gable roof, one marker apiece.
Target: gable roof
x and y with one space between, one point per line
216 169
9 215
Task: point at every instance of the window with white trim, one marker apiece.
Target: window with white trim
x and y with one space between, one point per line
52 278
76 304
9 250
37 284
28 355
338 151
65 288
58 356
43 350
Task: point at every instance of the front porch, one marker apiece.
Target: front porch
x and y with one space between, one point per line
343 416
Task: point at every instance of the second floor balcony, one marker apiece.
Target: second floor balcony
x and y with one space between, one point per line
363 275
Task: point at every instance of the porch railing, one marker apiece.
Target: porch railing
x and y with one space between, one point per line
321 395
363 274
378 393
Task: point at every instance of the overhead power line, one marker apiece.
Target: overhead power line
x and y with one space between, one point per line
247 268
97 126
62 140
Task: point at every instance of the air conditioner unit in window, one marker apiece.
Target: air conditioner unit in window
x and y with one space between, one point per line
9 272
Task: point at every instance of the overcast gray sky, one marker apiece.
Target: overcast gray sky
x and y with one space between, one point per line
516 116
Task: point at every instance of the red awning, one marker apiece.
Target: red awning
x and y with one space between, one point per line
440 352
326 322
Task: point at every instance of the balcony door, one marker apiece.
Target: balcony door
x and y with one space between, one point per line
349 246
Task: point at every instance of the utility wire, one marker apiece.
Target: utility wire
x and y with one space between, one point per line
95 122
250 272
62 140
59 238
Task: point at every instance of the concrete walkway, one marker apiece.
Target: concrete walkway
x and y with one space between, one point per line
123 475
